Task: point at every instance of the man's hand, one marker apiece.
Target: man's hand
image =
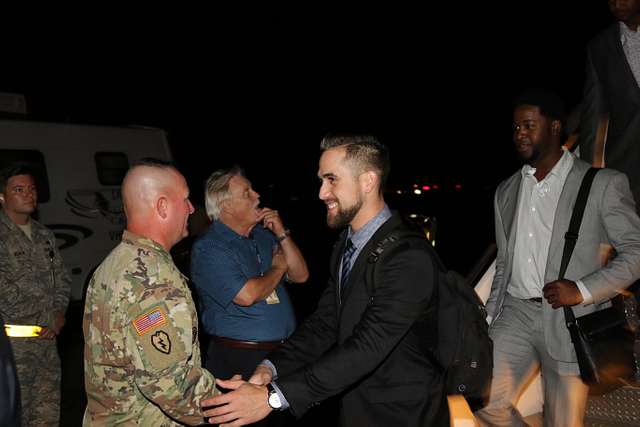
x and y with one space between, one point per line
245 404
561 293
261 376
49 333
271 220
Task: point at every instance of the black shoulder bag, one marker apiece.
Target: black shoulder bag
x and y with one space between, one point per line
603 340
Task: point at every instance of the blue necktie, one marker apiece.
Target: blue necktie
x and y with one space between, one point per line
349 249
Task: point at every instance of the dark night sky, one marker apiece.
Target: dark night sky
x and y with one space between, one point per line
242 86
261 87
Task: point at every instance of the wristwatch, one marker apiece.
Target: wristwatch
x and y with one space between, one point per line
273 399
284 235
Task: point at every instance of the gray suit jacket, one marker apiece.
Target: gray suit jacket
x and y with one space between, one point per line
610 220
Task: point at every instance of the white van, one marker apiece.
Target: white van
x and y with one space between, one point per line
79 169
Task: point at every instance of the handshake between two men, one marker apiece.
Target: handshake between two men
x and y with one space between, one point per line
245 403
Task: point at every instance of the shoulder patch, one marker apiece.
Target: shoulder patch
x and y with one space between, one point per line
161 342
149 321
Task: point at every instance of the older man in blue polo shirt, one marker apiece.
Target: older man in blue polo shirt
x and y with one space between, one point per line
238 268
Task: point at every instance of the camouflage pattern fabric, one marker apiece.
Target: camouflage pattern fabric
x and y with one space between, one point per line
33 285
142 356
38 368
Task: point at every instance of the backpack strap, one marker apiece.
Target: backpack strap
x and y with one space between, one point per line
393 239
396 239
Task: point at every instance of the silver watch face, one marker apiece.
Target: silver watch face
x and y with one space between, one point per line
274 400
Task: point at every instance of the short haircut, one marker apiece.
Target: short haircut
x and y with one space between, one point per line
364 152
548 102
153 162
216 190
13 170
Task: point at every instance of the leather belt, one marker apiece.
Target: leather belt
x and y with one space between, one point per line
251 345
536 299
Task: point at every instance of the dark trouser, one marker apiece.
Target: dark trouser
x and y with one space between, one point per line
224 362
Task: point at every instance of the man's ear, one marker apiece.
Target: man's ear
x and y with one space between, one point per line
226 207
162 207
368 181
2 198
556 127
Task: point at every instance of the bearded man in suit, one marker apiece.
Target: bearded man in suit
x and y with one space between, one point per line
370 349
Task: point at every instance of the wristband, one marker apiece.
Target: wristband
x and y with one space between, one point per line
284 235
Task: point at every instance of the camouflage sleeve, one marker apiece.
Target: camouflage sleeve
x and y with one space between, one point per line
4 256
162 334
62 283
4 269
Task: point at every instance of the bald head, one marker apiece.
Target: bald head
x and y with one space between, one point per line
156 203
141 187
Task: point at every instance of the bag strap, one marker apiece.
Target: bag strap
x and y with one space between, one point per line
571 236
395 237
398 237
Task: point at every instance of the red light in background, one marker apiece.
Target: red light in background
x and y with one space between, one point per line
435 186
458 186
426 187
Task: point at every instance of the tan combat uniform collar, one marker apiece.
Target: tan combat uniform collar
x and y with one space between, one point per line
134 239
6 220
36 227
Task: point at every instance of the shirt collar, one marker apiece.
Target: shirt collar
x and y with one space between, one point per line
227 233
135 239
627 33
362 236
4 218
560 169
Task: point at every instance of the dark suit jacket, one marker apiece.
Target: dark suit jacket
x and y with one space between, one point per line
370 350
610 88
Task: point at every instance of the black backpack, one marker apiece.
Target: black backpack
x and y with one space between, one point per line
464 350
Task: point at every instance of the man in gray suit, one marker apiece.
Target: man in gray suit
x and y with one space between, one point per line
532 212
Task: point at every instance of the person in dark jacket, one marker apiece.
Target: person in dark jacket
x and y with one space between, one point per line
9 388
368 349
612 94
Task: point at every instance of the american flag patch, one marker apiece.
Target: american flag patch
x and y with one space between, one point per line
150 320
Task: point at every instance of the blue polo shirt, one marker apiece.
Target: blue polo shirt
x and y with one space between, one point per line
221 263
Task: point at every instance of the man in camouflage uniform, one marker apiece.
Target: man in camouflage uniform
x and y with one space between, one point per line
34 290
142 356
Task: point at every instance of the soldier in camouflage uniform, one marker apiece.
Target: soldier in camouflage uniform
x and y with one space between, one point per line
142 356
34 290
